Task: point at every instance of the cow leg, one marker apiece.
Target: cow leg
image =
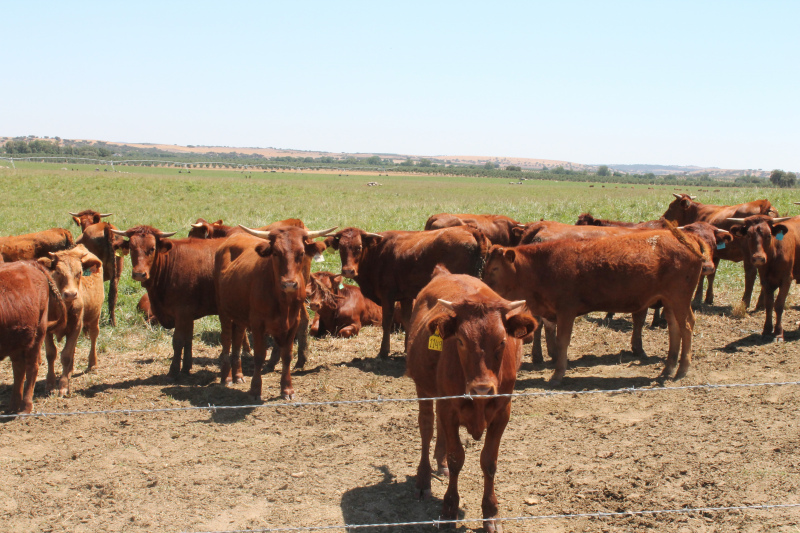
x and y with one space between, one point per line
536 351
386 322
31 371
259 356
349 331
314 331
455 460
246 343
710 291
440 450
50 351
93 330
18 367
406 307
425 420
698 295
656 317
285 346
491 448
68 360
769 305
686 325
749 280
608 318
275 355
674 333
564 325
302 339
113 289
239 333
636 336
780 302
550 332
760 305
180 338
225 335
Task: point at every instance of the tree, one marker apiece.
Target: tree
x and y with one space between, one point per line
602 170
789 180
489 165
776 176
424 162
514 168
373 160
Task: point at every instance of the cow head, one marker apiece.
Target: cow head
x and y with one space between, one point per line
500 270
353 244
144 244
682 210
202 229
290 248
712 236
758 232
586 219
68 268
322 291
481 329
87 217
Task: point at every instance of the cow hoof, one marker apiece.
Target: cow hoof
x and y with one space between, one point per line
681 373
238 379
557 378
778 339
666 373
492 526
256 396
288 396
269 368
383 354
443 471
423 494
640 353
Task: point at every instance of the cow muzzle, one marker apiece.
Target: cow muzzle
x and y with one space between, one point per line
349 272
708 268
139 276
759 260
69 296
289 285
481 389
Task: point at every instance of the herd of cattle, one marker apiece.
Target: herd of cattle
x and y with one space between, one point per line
469 289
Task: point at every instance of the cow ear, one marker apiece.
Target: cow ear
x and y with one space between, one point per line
90 264
520 325
164 246
370 239
337 280
46 262
779 228
122 247
517 231
737 230
96 218
445 323
314 248
217 223
77 220
309 288
686 203
722 236
264 249
509 255
332 241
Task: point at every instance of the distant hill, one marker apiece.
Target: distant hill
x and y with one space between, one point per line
661 170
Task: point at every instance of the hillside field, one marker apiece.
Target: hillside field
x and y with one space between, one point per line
283 467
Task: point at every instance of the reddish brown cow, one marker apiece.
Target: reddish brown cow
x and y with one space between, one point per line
216 230
479 356
394 265
586 219
684 210
341 309
35 245
87 217
497 228
178 275
261 284
100 240
78 274
773 247
144 307
566 278
30 304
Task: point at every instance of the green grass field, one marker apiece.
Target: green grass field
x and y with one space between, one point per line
38 196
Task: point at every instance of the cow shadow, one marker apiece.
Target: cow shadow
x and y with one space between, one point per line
577 383
211 338
757 339
389 501
215 396
393 366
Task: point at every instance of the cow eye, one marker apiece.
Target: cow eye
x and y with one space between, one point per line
460 342
358 248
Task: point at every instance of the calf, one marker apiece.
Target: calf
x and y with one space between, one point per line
260 284
497 228
565 278
773 246
87 217
78 274
30 305
35 245
479 355
100 240
395 265
341 309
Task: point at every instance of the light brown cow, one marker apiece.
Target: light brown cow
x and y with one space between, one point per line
79 276
35 245
101 241
497 228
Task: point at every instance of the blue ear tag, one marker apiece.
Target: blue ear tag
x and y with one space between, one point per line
779 236
87 272
721 246
341 285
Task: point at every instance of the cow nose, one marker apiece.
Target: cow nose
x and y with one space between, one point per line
139 276
759 260
289 285
69 295
708 269
481 390
314 306
348 272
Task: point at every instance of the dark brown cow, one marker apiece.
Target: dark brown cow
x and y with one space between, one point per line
203 229
565 278
78 274
773 247
178 275
497 228
87 217
100 240
35 245
586 219
395 265
260 284
480 354
341 309
30 304
685 210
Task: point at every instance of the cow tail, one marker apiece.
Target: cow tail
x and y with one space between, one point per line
69 241
57 326
109 245
481 252
699 248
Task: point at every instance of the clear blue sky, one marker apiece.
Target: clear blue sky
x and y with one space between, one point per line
704 83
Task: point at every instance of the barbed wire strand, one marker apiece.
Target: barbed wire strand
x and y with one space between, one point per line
617 514
628 390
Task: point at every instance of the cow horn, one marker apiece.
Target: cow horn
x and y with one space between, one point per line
678 196
103 215
692 197
165 234
321 233
198 225
73 214
256 232
448 305
797 203
372 234
736 220
780 219
515 305
119 232
521 225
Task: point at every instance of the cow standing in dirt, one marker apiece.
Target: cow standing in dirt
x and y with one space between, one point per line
479 355
78 274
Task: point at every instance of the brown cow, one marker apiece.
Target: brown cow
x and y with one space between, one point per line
497 228
685 210
479 356
30 305
79 276
35 245
586 219
178 275
341 309
565 278
395 265
87 217
203 229
144 307
773 247
261 284
100 240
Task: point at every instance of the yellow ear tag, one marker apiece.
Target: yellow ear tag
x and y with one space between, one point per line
435 342
118 253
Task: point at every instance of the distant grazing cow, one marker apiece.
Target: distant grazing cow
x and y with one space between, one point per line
178 275
216 230
395 265
685 210
79 276
565 278
773 246
260 284
341 309
30 304
35 245
479 355
87 217
497 228
101 241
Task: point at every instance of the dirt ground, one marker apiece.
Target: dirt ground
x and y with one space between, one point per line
355 464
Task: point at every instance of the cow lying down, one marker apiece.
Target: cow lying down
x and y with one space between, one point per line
341 309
